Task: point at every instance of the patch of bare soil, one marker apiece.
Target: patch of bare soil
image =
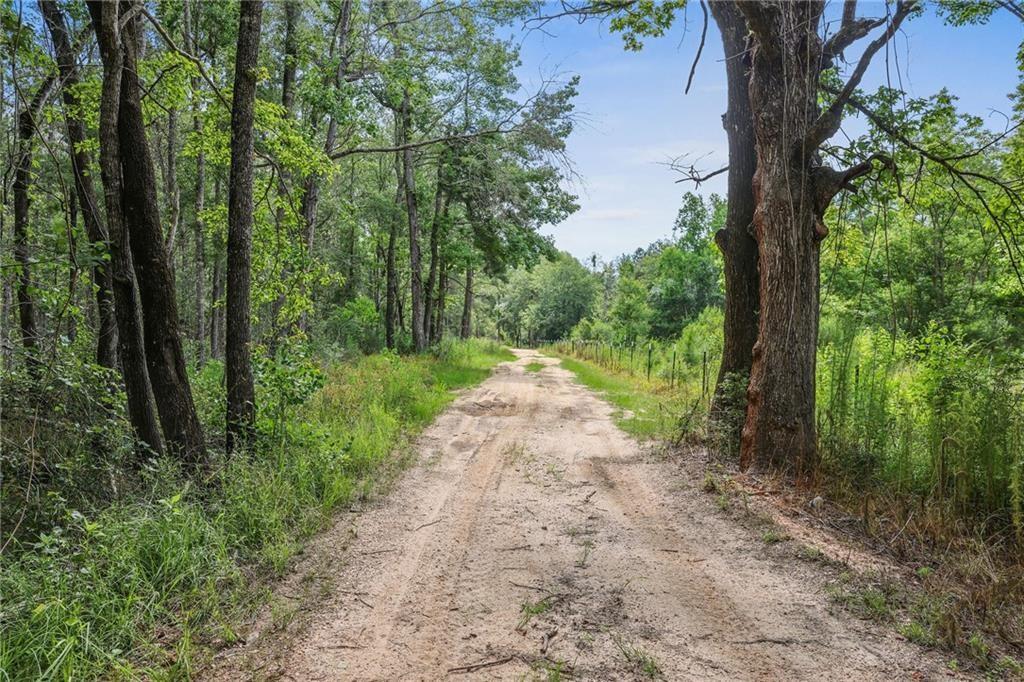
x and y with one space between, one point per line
533 535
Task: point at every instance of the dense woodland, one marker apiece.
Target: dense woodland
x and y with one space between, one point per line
240 241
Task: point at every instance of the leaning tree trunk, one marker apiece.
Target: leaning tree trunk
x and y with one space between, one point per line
736 239
467 305
165 357
131 344
241 408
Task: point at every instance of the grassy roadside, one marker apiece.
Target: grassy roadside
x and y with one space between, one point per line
964 600
646 410
135 587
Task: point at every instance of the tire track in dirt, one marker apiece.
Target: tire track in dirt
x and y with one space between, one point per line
533 535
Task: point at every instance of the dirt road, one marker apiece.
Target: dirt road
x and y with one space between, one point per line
533 534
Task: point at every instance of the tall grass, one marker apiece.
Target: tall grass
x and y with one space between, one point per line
935 421
129 584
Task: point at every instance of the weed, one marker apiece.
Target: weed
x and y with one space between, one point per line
865 599
810 553
771 536
917 632
535 367
978 648
530 609
551 671
723 502
639 658
554 472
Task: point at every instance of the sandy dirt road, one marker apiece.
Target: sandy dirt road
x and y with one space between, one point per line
532 532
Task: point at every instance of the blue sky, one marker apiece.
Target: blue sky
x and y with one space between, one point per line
635 116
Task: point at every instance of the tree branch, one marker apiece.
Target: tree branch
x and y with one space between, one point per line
828 122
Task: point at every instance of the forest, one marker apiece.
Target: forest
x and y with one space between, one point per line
251 251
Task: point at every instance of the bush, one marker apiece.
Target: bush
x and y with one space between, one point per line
357 325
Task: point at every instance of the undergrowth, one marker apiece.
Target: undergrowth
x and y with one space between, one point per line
116 571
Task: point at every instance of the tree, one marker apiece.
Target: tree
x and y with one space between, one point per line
165 359
630 313
736 239
241 409
131 343
106 335
792 190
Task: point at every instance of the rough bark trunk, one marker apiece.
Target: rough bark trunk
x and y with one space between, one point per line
391 295
419 339
779 433
241 406
131 345
165 358
467 305
106 332
736 239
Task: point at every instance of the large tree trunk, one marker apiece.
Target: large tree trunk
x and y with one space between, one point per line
467 305
779 433
131 350
792 190
106 333
165 358
736 239
419 339
241 408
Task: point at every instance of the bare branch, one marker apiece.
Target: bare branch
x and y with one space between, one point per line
700 48
828 122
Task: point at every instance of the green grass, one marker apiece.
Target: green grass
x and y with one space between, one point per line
535 367
644 411
531 609
639 659
137 587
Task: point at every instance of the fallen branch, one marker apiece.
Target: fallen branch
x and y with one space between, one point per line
529 587
435 521
479 666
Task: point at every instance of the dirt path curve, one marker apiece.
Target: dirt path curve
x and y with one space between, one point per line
526 495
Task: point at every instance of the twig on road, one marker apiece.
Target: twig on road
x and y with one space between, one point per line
479 666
